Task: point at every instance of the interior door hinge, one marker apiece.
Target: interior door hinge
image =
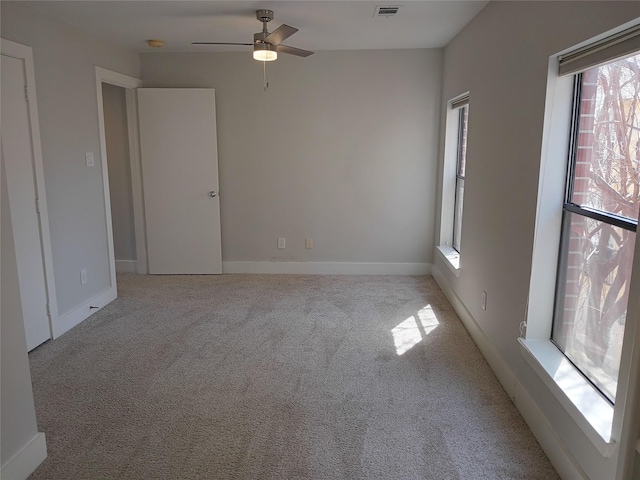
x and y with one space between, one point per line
48 310
26 93
37 205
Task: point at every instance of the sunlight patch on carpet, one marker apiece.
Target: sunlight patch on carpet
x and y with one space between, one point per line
409 333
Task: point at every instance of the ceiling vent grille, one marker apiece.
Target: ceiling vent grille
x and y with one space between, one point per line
386 11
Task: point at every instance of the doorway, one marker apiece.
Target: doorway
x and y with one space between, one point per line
119 146
119 168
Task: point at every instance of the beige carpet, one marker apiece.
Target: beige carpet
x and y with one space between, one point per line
276 377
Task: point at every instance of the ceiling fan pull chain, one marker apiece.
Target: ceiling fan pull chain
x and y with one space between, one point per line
264 72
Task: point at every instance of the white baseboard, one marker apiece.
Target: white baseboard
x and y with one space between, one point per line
76 316
327 268
547 437
499 367
127 266
24 463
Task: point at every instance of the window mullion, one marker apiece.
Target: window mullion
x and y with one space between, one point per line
609 218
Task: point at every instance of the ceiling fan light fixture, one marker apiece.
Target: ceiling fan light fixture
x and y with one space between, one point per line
264 52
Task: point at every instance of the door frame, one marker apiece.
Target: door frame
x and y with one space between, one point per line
130 84
25 53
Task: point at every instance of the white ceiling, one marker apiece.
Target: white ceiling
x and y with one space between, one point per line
324 25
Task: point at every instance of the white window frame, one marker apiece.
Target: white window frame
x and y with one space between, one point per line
612 429
460 178
447 252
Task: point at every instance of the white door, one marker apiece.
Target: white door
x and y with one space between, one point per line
180 180
21 187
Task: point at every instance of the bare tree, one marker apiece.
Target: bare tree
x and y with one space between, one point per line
609 180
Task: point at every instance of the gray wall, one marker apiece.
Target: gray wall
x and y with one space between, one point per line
65 63
117 139
341 148
18 416
502 59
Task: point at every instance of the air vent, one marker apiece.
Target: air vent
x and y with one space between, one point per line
386 11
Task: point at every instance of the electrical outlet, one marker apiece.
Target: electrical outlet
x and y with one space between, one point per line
308 243
281 242
89 159
484 300
83 276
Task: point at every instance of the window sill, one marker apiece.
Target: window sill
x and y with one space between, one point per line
589 409
451 257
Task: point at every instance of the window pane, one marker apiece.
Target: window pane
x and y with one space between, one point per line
607 169
462 140
457 215
460 173
590 320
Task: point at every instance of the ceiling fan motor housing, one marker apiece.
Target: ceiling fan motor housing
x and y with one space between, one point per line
259 37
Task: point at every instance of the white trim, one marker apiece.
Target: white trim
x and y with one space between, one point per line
114 78
547 437
84 311
126 266
105 186
587 407
557 452
327 268
24 463
499 367
451 258
548 222
119 79
25 53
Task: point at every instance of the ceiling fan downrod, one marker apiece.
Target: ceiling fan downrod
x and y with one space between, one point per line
265 16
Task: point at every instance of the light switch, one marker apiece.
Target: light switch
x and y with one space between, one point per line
89 159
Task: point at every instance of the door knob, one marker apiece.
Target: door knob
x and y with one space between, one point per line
213 193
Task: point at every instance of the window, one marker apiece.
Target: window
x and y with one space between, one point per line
455 154
600 218
581 291
461 160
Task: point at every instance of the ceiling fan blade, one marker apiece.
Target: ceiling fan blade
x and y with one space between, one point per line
279 34
293 51
220 43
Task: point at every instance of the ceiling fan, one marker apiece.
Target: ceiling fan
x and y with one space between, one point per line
266 46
